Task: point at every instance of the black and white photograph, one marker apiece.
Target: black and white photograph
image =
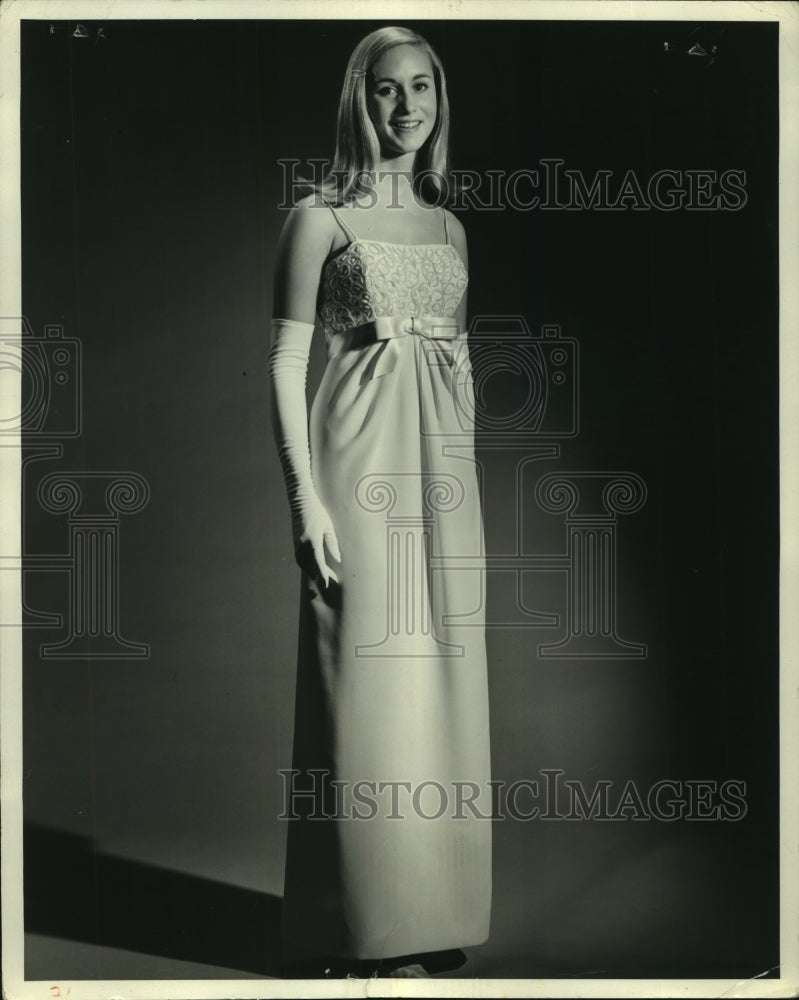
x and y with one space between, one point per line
398 455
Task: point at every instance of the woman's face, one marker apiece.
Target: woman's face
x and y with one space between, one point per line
401 99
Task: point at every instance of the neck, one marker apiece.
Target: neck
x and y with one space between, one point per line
401 164
393 182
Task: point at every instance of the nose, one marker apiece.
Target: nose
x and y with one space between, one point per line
406 100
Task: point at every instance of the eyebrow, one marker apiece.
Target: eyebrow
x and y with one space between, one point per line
390 79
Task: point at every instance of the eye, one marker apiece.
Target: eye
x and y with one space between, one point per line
422 86
384 91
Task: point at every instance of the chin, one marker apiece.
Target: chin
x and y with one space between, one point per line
412 143
412 147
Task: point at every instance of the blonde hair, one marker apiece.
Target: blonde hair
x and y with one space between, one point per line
357 147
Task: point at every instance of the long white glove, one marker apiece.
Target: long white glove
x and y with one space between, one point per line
310 523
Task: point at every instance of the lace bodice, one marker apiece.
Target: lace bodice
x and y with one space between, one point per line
369 278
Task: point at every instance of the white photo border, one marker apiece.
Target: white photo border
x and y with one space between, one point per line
15 986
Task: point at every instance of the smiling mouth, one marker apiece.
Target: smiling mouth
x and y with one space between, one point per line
406 126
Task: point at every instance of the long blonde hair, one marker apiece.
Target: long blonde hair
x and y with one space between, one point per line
357 147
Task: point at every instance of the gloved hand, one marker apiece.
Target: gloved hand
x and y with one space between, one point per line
311 525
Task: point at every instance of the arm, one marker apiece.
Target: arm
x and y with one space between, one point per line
304 244
458 240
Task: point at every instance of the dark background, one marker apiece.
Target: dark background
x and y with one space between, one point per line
149 199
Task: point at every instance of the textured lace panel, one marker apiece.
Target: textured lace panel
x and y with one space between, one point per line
369 279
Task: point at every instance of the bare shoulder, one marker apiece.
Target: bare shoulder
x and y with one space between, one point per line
304 244
457 234
455 225
310 223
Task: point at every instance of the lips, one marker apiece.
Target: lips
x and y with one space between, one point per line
406 126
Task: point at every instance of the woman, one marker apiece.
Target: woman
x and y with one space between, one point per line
388 867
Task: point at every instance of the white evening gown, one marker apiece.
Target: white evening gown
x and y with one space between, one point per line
391 682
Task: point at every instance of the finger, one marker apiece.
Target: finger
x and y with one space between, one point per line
327 574
332 544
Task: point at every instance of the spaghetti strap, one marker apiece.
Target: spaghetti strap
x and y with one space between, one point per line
348 232
446 231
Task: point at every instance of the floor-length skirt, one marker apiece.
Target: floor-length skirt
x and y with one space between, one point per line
391 851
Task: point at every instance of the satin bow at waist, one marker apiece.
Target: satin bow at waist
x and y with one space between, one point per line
434 327
386 330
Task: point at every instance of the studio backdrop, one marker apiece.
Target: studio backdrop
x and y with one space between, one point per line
618 186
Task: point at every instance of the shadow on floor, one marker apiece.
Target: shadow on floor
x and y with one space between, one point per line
74 892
